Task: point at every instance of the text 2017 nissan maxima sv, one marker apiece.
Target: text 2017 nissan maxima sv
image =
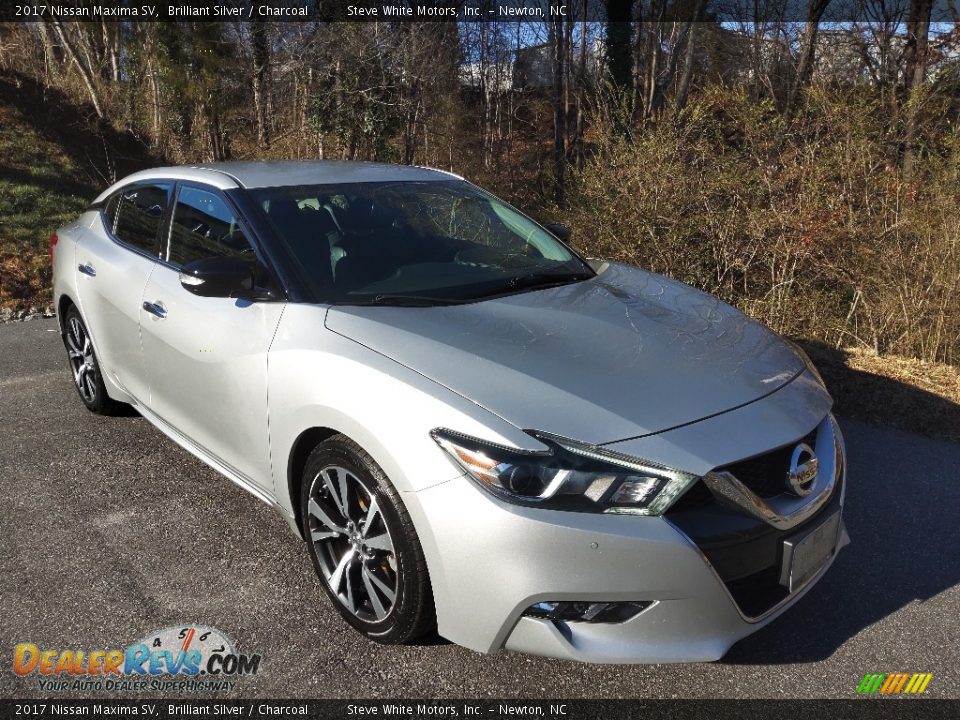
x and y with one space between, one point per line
471 426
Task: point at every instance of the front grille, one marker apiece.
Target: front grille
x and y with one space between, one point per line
766 474
697 496
757 593
746 552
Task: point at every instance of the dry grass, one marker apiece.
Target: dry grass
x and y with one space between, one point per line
38 192
808 226
54 159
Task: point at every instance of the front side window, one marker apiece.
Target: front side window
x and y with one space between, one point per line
204 226
110 210
134 215
436 241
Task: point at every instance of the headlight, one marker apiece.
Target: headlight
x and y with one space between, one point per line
568 476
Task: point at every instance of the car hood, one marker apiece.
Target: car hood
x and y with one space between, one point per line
624 354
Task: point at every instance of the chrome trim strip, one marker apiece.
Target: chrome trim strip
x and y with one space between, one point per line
784 512
207 457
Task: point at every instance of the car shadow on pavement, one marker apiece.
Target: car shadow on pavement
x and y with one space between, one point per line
892 399
431 639
901 511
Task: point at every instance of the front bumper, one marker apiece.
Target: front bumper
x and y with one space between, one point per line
490 561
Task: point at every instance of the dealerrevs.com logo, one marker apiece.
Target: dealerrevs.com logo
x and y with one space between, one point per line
192 658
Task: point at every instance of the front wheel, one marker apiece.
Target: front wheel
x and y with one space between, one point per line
363 544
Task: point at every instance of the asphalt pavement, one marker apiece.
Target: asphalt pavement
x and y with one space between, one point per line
109 531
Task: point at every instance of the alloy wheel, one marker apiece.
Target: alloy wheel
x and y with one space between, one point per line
353 543
82 360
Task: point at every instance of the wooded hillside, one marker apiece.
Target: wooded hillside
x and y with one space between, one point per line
807 172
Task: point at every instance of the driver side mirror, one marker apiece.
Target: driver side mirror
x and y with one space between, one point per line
217 277
559 230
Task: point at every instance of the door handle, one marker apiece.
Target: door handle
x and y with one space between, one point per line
157 309
88 269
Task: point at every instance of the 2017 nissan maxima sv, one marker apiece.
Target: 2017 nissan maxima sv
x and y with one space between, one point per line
470 425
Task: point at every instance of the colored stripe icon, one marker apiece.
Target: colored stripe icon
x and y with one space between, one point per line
894 683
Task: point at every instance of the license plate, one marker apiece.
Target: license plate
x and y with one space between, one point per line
804 555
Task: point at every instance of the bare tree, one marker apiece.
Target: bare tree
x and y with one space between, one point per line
690 56
82 65
50 50
619 30
559 47
916 52
808 50
260 46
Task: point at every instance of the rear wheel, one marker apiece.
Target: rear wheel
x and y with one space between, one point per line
363 544
84 366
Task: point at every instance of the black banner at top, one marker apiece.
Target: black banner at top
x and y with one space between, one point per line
735 11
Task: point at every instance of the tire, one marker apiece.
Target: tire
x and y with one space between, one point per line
363 544
85 367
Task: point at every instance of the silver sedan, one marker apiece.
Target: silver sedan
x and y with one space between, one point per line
471 426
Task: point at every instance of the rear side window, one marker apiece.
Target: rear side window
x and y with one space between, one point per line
204 226
135 215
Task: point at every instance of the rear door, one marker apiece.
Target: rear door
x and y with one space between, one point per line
115 259
207 357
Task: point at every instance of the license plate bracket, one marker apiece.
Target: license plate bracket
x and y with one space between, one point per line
804 554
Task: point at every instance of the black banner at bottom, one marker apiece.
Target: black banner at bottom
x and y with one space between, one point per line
867 709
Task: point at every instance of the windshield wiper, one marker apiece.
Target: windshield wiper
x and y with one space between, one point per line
529 281
398 300
547 279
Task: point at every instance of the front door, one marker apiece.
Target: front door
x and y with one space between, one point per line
207 357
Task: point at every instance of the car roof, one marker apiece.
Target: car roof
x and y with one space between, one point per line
283 173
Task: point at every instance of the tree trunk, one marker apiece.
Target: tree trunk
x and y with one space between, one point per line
808 51
665 78
155 99
110 50
486 93
690 58
410 144
619 63
581 89
558 44
915 53
85 72
49 50
651 57
261 63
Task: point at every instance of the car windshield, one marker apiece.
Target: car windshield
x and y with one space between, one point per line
413 243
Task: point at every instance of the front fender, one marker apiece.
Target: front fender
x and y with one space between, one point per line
319 379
